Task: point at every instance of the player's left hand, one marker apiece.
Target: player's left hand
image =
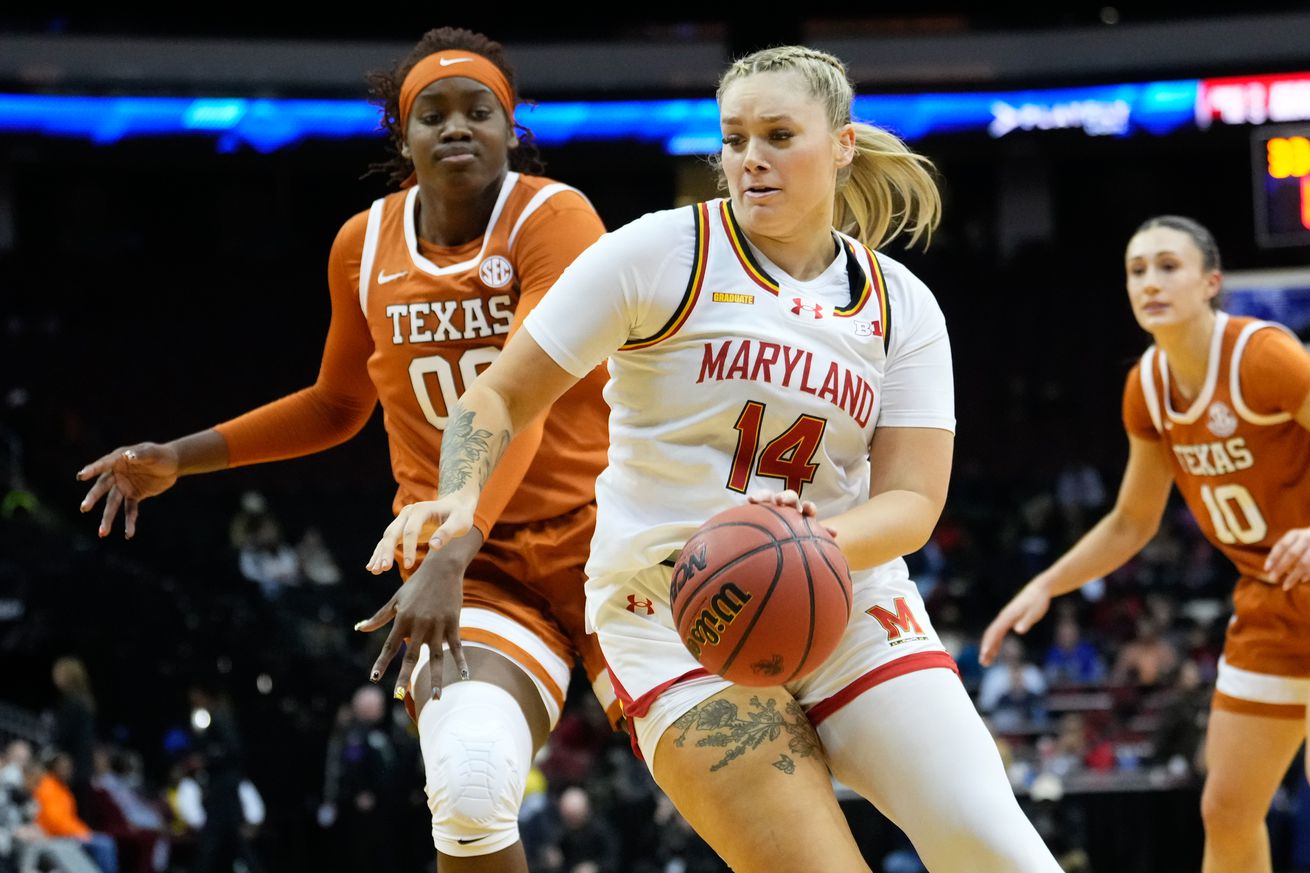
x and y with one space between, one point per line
792 499
1289 560
426 610
454 513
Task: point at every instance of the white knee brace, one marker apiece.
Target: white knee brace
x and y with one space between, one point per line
477 750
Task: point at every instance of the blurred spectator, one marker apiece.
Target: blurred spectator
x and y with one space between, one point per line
1061 824
1037 533
1013 690
678 847
23 846
629 802
223 838
363 782
75 724
1202 643
1076 748
56 811
136 825
16 756
1179 740
581 843
184 799
1080 491
1071 660
1146 659
316 562
254 509
268 561
263 555
570 752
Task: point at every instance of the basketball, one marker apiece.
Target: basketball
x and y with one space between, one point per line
761 594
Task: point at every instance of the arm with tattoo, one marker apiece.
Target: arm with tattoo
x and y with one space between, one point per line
468 452
515 390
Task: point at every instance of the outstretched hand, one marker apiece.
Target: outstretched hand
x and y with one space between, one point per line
125 477
453 513
426 610
1021 613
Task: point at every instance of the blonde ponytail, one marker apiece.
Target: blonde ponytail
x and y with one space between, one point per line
886 190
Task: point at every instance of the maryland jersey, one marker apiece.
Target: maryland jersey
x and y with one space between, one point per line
728 376
1239 460
439 316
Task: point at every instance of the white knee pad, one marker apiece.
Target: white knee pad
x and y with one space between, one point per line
477 750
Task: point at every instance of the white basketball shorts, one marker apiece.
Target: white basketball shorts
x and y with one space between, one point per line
657 679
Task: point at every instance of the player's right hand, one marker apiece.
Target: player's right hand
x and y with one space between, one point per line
790 498
125 477
1021 613
455 514
426 609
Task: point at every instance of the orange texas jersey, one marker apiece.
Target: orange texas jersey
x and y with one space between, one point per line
414 323
1239 457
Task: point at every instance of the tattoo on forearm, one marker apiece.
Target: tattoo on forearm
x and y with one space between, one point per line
466 452
724 727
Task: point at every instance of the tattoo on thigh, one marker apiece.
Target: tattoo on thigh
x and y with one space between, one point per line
723 726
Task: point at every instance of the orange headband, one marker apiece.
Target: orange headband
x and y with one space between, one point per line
449 63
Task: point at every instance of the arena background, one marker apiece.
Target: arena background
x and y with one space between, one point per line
152 284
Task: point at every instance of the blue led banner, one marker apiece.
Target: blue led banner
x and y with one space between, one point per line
681 127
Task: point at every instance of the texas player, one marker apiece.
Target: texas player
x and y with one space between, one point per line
426 287
1220 407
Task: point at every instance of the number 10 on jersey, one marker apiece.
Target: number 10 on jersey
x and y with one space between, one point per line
788 456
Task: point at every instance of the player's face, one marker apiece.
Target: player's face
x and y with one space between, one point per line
780 156
458 136
1168 284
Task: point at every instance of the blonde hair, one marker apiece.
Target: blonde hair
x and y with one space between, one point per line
69 676
887 189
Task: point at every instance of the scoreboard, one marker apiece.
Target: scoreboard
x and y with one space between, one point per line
1281 179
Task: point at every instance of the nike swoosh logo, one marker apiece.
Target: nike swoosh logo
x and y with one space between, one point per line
474 840
446 62
383 278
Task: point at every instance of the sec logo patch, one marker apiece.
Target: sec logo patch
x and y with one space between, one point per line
496 272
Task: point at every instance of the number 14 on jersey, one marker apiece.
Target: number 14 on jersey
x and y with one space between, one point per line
789 456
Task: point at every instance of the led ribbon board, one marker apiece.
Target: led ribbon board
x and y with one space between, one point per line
682 127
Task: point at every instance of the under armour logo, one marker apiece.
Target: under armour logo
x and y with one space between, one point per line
815 309
635 603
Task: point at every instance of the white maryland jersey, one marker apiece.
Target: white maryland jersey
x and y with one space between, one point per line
727 375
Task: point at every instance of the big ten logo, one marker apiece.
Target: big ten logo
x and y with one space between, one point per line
690 562
723 608
898 624
865 328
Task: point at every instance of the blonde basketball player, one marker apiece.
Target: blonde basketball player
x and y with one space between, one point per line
1220 407
752 346
426 286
